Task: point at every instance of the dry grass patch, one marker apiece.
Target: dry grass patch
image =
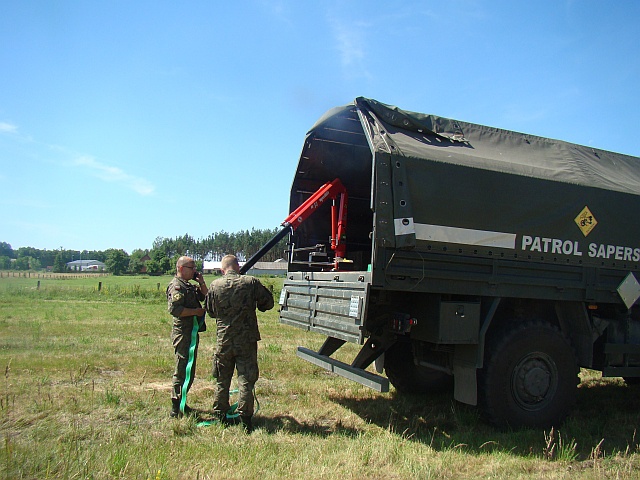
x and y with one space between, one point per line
85 394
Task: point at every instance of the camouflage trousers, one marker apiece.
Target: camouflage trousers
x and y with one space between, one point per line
243 358
181 339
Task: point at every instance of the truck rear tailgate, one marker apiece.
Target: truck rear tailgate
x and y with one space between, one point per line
331 303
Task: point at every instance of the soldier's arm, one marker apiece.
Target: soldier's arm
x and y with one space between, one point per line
202 288
264 298
210 304
175 301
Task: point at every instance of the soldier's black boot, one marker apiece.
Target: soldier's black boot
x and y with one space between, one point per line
247 423
221 417
175 408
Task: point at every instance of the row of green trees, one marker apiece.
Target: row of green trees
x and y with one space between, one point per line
161 258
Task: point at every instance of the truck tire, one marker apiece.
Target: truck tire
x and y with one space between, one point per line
530 377
407 377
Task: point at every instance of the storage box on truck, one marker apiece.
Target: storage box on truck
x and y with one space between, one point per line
499 260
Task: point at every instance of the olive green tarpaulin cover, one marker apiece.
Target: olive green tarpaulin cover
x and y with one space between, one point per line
422 136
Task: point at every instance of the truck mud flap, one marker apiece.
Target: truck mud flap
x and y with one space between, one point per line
331 304
368 379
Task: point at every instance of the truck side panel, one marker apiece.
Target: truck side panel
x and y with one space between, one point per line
516 217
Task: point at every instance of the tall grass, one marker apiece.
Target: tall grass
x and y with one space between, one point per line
84 393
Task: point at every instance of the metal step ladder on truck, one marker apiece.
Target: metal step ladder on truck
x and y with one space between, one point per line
498 261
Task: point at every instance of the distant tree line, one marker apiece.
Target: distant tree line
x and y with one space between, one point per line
161 257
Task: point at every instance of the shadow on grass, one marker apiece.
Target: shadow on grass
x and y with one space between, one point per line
289 424
609 411
284 424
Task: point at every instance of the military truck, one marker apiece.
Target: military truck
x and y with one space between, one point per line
493 262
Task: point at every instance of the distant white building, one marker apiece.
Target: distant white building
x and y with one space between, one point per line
86 265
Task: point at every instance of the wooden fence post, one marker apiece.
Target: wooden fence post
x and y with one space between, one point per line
99 286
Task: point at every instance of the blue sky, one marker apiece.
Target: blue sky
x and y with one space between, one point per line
124 121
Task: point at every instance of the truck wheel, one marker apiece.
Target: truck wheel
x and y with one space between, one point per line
530 377
407 377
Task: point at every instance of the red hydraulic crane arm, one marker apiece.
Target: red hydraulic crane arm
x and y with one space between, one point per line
339 225
328 191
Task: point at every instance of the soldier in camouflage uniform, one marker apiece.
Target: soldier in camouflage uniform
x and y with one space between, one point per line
183 299
233 300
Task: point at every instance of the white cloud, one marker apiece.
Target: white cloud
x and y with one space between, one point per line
350 42
99 170
8 128
115 174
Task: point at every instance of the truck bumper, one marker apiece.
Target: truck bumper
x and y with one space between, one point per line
368 379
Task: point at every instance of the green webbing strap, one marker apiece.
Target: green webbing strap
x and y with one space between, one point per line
192 354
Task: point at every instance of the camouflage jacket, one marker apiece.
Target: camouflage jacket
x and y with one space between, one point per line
180 295
233 300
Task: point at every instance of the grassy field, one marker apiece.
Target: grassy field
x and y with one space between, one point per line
86 386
